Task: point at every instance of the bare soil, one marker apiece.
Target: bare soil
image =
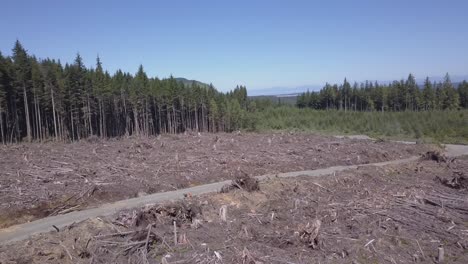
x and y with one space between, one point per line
394 214
39 180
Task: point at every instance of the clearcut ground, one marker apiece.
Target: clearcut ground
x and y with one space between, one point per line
41 180
400 211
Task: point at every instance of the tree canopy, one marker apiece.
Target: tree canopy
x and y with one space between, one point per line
43 99
403 95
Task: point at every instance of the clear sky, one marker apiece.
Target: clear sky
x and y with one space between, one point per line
260 44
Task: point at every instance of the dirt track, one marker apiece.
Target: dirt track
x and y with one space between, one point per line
395 214
20 232
40 180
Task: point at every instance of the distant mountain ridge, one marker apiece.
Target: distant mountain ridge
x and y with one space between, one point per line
188 82
277 91
282 98
280 91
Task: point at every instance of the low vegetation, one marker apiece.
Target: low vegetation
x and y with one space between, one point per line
435 126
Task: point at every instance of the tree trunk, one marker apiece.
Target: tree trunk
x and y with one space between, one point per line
41 132
72 126
1 125
203 117
101 132
104 121
78 126
36 116
345 106
46 130
135 116
116 128
159 119
127 118
61 127
168 117
89 115
196 120
182 115
155 116
175 118
54 114
26 109
146 118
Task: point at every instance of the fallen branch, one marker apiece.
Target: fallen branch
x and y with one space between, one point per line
316 184
66 250
147 238
420 249
115 234
368 243
175 233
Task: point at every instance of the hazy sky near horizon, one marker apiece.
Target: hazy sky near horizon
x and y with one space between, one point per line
260 44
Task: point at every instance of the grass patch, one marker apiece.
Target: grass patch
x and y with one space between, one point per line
429 126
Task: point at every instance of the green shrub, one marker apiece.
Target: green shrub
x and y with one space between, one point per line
443 126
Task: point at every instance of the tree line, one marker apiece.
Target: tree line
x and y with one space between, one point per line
403 95
41 99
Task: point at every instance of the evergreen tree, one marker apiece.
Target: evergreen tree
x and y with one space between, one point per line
439 96
37 98
450 99
22 73
4 83
463 94
301 100
41 99
412 93
397 96
428 95
346 94
214 116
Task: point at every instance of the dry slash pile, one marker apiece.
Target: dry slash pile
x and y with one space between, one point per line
38 180
411 213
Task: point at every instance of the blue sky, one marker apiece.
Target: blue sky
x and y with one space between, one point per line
260 44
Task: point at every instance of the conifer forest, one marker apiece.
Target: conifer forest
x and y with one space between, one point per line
43 99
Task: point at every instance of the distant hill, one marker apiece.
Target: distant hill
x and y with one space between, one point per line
188 82
285 90
282 98
292 97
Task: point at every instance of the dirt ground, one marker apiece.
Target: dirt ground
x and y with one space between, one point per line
413 213
39 180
